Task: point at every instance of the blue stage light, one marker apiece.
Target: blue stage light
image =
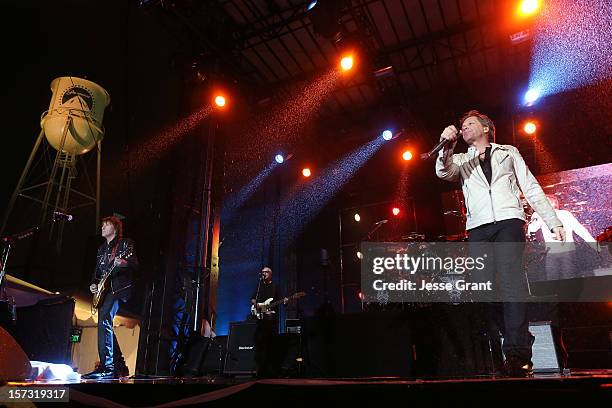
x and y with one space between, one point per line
531 96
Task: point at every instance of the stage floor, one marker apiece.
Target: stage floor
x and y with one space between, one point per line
223 391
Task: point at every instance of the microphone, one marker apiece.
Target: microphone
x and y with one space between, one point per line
57 215
381 222
436 149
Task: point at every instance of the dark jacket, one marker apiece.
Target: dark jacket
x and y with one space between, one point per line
122 277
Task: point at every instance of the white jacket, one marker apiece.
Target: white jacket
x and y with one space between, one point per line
502 199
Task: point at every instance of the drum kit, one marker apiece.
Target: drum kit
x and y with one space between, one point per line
534 254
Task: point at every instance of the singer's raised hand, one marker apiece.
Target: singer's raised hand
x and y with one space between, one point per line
450 133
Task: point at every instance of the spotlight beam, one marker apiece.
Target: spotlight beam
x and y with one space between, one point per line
236 200
572 46
159 144
300 206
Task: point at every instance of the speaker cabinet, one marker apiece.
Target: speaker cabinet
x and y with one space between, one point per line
241 349
205 355
214 358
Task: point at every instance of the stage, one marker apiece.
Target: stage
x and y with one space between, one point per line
175 392
355 200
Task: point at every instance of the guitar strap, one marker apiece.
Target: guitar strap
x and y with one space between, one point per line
114 251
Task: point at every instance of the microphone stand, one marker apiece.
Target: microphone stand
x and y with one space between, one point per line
257 291
377 226
8 240
6 251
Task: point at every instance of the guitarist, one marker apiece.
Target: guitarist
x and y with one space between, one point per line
117 255
266 332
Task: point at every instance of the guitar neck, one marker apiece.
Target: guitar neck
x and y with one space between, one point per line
278 302
124 255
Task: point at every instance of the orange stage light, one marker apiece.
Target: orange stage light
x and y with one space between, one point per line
530 128
527 8
220 101
347 62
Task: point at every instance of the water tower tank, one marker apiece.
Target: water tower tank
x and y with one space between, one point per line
79 105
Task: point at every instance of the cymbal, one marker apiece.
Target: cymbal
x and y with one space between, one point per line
454 213
452 238
413 236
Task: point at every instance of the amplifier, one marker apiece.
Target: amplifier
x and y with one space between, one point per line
240 358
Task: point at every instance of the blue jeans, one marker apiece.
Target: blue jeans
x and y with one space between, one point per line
108 348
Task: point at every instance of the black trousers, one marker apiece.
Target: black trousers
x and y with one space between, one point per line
108 347
509 317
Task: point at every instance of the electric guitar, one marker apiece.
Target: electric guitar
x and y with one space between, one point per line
262 309
104 283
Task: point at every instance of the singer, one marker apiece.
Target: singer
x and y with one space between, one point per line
492 177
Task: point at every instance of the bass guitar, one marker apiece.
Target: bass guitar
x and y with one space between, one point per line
260 310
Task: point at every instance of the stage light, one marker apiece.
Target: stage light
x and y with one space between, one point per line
530 128
311 5
306 172
220 101
387 134
395 211
407 155
359 255
531 96
357 217
346 63
528 7
279 158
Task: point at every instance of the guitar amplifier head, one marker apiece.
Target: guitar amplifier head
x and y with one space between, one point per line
240 358
293 326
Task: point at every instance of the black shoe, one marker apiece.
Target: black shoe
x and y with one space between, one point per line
107 375
92 374
122 371
100 374
517 369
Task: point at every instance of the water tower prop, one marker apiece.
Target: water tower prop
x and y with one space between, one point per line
72 127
